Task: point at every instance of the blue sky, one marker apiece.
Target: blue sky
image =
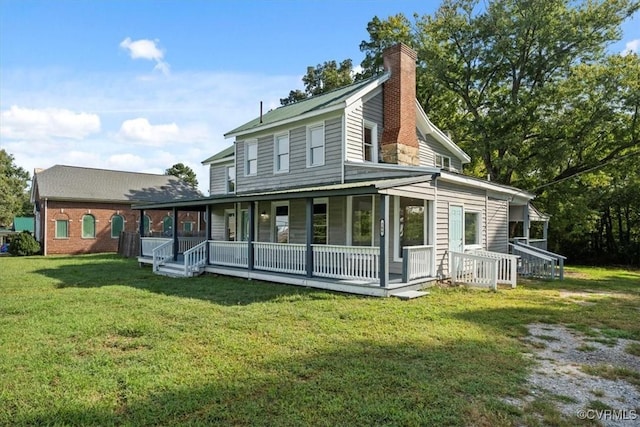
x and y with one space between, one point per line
141 85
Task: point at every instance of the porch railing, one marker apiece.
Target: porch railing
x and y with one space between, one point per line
186 243
161 254
148 244
507 266
280 257
346 262
474 270
417 262
232 254
537 262
195 259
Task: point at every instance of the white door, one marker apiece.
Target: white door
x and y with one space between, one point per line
455 229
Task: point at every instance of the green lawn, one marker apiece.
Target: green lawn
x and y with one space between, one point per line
97 340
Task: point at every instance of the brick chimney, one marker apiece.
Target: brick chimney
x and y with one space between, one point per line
399 142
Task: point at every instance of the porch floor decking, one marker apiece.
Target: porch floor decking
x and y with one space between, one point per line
359 287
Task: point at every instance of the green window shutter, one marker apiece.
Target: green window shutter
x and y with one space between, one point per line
88 227
62 228
147 225
117 226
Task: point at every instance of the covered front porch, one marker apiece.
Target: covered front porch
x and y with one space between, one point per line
354 238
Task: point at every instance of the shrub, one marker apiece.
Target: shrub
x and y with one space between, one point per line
23 244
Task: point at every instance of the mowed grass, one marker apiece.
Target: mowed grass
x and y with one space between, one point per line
96 340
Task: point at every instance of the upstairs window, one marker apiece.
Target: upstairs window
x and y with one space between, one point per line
231 179
251 155
117 226
315 145
281 153
370 142
443 162
88 227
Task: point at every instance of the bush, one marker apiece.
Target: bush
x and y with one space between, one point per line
23 244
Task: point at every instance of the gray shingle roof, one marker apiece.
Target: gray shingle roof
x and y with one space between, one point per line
61 182
309 105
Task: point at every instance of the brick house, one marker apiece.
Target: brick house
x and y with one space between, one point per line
83 210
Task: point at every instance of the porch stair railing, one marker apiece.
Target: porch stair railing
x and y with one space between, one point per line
507 266
161 254
474 269
536 262
195 259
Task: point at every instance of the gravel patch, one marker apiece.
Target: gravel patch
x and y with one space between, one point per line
560 354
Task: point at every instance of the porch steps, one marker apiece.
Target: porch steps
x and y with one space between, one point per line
406 295
176 270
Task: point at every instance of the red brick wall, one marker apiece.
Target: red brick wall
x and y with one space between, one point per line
102 212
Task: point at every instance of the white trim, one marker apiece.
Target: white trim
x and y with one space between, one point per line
226 179
373 126
310 128
228 159
478 243
486 185
276 152
427 127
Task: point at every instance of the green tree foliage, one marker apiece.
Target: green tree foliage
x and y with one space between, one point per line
323 78
528 89
184 172
14 196
23 244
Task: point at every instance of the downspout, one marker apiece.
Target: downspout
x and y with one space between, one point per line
344 144
434 225
44 241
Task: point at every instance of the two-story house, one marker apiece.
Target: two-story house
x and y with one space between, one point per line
353 190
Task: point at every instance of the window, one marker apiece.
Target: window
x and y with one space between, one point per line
362 220
88 227
231 179
315 145
281 222
443 162
320 220
147 225
281 153
251 155
370 142
62 229
244 225
410 223
167 226
230 225
117 226
187 226
471 228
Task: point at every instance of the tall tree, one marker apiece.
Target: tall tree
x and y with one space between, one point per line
323 78
14 197
184 172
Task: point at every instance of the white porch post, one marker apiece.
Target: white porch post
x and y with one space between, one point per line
141 229
309 249
384 240
207 214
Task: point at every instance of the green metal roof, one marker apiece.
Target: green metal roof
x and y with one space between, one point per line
24 223
227 152
314 104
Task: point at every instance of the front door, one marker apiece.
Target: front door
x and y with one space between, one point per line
455 229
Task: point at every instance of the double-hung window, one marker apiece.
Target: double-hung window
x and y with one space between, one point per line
231 179
370 142
315 145
62 229
281 153
251 158
443 162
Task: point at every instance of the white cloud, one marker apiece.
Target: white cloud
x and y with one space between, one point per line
35 124
140 130
146 49
632 46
